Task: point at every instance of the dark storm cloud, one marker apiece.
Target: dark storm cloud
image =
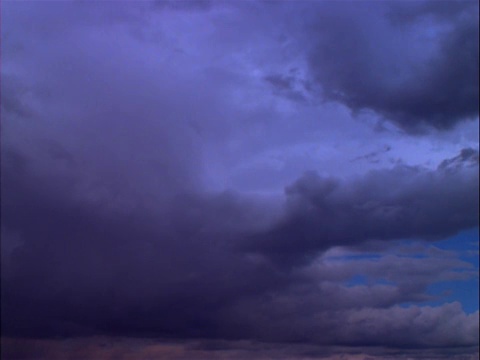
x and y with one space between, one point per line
384 57
77 269
113 143
101 210
403 202
85 269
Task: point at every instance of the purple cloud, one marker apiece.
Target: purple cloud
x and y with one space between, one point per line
152 187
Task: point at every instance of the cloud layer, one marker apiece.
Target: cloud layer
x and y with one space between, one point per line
211 266
193 172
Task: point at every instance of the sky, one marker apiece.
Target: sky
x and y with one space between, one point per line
240 179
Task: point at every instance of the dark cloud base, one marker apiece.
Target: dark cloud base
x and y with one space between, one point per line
123 125
127 348
403 202
202 270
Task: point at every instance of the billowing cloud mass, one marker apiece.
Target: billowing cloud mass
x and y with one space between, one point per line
414 64
239 180
402 202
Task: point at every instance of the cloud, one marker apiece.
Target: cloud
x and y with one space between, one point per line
127 349
123 133
287 86
404 278
433 326
396 326
373 157
194 5
367 61
402 202
88 267
177 271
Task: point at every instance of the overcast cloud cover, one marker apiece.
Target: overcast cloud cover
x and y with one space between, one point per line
239 179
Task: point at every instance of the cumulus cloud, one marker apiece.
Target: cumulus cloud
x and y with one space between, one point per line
368 57
402 202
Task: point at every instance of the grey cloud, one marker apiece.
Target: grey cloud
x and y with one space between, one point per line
467 157
109 223
124 348
288 86
127 132
281 82
13 97
79 270
365 62
192 5
412 273
434 324
394 325
403 202
402 13
373 156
